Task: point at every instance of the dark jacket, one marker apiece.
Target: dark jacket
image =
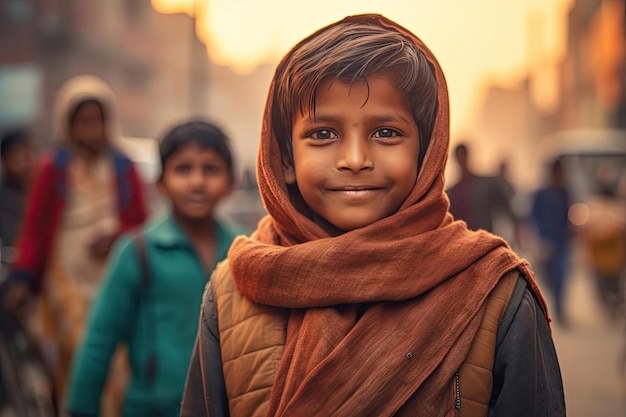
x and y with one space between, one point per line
516 391
11 206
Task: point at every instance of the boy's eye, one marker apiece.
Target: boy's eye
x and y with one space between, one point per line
211 169
181 169
385 133
323 134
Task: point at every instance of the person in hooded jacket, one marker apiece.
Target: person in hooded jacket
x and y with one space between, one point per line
360 294
84 194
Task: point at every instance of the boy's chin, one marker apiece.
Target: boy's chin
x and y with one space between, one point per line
194 216
339 226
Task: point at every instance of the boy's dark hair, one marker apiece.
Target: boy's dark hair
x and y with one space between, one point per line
201 133
352 51
11 138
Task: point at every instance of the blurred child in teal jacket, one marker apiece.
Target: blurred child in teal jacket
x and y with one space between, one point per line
154 308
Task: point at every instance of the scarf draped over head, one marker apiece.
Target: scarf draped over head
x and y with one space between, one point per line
73 92
382 316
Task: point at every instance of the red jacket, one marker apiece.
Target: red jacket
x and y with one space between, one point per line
45 205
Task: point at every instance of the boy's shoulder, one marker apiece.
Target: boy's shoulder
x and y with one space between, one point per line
152 232
162 231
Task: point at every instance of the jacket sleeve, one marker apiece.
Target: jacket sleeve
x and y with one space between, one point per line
109 322
135 212
36 226
205 389
527 378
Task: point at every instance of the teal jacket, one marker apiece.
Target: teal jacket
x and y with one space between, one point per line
159 320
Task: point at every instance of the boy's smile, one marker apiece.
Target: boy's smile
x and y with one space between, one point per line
356 158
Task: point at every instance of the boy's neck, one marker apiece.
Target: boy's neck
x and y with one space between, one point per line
196 229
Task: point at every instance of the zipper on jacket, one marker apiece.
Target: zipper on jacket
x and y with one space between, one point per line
457 392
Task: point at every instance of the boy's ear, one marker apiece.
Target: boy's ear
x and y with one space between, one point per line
289 173
160 187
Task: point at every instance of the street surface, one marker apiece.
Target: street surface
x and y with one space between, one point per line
591 353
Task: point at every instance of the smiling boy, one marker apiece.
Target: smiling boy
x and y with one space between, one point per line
359 294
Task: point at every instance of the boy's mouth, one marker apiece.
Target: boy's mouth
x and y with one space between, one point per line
354 191
356 188
198 198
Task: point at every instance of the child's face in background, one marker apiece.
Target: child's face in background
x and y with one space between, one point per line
195 179
356 159
87 128
18 163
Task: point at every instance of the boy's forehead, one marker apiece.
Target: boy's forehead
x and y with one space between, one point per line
194 147
306 104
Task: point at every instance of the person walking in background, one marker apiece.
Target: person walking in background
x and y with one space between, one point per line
84 194
549 212
505 182
604 238
151 295
25 386
17 154
479 200
359 294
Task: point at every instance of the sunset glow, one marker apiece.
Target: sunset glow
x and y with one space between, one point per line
476 42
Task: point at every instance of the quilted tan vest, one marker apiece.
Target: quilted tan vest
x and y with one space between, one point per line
251 354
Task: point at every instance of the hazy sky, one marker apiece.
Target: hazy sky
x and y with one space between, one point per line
475 41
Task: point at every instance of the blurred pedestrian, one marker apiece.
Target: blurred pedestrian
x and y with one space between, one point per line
478 200
25 386
505 182
549 212
84 194
151 296
17 153
604 237
359 295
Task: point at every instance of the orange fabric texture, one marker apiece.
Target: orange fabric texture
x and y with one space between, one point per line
382 316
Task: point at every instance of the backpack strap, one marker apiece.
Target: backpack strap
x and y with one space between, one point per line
140 245
146 280
475 377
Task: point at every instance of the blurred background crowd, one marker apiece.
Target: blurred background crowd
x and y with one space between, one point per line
538 126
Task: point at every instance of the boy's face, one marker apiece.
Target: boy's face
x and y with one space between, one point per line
355 160
195 179
88 128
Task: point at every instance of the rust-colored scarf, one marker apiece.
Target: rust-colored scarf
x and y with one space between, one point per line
382 316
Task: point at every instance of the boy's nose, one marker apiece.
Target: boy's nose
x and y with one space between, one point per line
355 155
196 178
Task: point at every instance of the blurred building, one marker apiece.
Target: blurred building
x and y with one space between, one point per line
591 94
594 69
155 63
508 125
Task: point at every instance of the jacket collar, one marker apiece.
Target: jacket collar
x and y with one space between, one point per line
170 235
